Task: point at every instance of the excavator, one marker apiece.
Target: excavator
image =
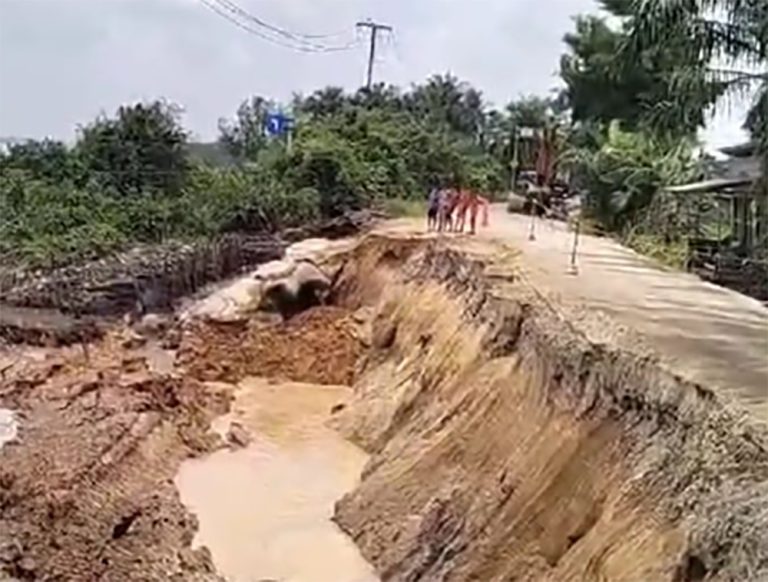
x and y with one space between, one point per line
537 187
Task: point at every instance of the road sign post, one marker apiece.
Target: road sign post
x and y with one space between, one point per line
280 125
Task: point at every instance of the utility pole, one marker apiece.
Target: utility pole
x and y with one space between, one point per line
375 28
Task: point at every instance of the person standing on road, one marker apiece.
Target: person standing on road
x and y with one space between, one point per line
471 202
447 204
474 203
433 208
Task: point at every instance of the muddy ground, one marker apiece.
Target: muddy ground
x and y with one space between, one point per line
86 488
320 346
510 439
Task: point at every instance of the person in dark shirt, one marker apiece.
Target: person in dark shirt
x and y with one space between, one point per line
433 207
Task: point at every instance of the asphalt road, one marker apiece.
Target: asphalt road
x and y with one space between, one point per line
707 333
703 332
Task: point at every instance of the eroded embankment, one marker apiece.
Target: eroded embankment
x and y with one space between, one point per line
509 440
506 445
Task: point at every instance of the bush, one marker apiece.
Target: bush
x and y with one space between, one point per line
129 178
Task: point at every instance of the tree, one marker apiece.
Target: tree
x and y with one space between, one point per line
623 175
727 39
141 150
244 137
605 83
449 103
325 102
47 160
380 96
757 117
532 111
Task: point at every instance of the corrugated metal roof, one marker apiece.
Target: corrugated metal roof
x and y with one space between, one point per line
714 185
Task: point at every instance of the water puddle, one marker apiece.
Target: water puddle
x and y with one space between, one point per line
265 510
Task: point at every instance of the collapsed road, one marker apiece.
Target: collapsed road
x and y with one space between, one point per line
450 413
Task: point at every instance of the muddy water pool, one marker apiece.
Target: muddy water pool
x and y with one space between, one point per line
265 510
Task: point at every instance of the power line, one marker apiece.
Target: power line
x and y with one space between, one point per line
259 33
395 46
375 28
298 36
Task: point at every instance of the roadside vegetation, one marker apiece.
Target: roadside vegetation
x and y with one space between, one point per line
638 86
134 177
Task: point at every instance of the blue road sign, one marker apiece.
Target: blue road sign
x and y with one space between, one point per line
278 124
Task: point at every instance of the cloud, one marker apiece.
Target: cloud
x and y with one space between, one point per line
62 62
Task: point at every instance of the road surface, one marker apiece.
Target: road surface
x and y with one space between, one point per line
705 333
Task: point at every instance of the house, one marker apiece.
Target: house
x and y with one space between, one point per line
735 256
734 181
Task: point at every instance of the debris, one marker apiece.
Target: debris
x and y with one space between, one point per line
238 436
9 426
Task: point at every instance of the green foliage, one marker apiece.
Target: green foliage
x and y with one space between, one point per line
532 111
639 89
44 221
134 178
606 82
324 162
721 47
395 145
141 150
672 253
244 136
757 117
48 160
624 174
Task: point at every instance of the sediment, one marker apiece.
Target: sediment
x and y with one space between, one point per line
86 489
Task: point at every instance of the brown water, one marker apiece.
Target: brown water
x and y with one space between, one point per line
265 511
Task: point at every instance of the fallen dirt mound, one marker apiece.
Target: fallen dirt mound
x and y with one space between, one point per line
319 346
85 489
506 445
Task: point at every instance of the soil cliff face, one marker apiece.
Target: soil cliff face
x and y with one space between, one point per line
512 441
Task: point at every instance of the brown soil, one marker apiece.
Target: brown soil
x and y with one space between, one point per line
507 445
506 442
320 346
86 490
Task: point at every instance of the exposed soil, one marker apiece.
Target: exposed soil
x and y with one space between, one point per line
85 491
510 438
508 445
320 346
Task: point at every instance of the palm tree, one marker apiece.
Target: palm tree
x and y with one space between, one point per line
730 35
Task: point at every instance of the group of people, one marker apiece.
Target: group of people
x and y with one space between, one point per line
447 210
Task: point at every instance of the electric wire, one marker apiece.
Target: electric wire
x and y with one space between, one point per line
298 36
215 7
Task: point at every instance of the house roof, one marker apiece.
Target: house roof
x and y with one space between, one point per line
736 168
723 185
742 150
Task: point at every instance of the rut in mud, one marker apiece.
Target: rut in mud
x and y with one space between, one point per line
509 439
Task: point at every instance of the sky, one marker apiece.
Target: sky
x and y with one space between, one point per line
63 62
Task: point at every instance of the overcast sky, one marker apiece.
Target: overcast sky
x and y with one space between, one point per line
62 62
